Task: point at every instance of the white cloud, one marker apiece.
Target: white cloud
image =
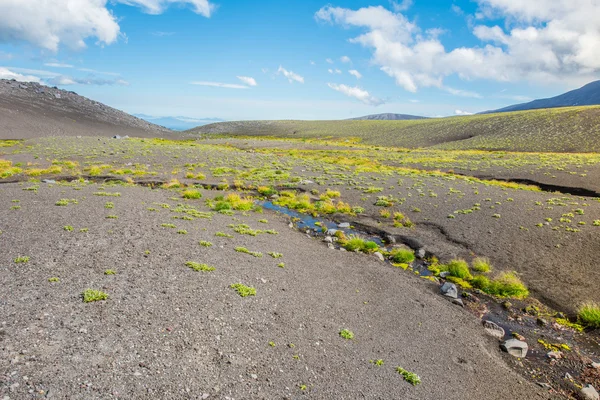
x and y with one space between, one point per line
93 71
58 65
312 62
355 73
345 59
403 6
334 71
357 93
248 80
5 73
461 112
64 80
462 93
290 75
457 10
220 85
329 61
202 7
50 24
544 40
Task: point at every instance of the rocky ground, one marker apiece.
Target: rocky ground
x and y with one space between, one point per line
26 109
168 330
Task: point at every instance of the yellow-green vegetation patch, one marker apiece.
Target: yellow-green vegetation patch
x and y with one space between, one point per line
402 256
408 376
356 243
243 290
589 315
54 279
481 264
378 362
191 194
22 259
90 295
200 267
110 272
245 250
565 322
223 234
346 334
275 255
205 243
66 202
9 142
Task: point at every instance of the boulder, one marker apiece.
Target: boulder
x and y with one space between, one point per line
588 392
449 289
493 329
379 255
515 348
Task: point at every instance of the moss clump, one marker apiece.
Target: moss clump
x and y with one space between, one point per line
347 334
205 243
110 272
200 267
54 279
243 290
480 282
90 295
507 284
21 259
482 264
191 194
459 268
356 243
459 281
589 315
408 376
402 256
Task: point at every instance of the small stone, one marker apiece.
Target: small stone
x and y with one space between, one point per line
444 274
544 385
390 239
506 305
515 348
253 376
344 225
589 393
458 302
596 365
205 396
331 232
542 322
568 376
518 336
328 239
449 289
379 255
420 253
556 355
330 245
493 329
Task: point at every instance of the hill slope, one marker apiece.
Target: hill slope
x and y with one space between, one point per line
585 96
30 110
572 129
388 117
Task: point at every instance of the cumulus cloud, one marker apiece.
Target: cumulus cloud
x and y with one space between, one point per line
220 85
345 59
357 93
545 40
49 24
5 73
290 75
334 71
355 73
329 61
248 80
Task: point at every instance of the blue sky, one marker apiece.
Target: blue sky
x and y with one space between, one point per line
431 58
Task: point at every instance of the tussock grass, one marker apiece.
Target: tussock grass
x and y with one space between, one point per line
589 315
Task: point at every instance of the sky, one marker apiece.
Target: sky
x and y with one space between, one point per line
308 59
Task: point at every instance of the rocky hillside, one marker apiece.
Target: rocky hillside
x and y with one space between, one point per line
30 110
388 117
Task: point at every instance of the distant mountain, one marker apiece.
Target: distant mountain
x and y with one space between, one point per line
388 117
178 123
29 109
587 95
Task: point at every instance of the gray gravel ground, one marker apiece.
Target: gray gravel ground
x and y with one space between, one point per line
167 331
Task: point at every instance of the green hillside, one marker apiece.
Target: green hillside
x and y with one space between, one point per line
570 129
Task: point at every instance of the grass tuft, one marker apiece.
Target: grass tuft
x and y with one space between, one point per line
589 315
90 295
243 290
